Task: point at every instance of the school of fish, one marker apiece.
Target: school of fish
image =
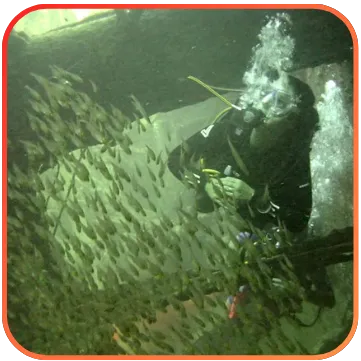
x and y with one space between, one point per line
98 249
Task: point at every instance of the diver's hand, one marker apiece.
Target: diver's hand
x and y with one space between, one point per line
237 189
232 188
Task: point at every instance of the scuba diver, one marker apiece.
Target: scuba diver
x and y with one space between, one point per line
271 172
255 156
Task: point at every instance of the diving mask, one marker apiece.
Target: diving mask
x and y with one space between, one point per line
277 103
272 95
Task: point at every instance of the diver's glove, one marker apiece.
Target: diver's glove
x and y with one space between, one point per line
229 187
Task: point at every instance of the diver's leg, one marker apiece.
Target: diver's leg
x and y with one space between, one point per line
296 214
293 194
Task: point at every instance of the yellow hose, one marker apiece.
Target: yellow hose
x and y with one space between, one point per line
211 172
220 114
204 85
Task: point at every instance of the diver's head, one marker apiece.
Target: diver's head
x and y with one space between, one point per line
275 95
278 98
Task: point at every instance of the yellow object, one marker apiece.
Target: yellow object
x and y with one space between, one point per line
211 172
219 96
220 114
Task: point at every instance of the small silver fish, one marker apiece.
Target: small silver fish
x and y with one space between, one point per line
151 154
139 108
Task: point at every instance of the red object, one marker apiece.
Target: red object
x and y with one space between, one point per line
239 298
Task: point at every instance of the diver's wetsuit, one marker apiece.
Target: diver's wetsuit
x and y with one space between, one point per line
285 168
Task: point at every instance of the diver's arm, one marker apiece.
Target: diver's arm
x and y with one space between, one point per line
211 144
184 167
199 145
